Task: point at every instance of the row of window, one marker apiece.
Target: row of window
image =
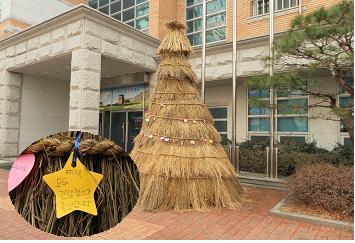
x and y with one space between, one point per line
216 17
219 115
135 14
291 115
215 21
261 7
132 12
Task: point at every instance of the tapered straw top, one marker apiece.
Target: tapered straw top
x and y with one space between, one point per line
175 42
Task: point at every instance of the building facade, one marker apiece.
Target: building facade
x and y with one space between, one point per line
17 15
91 68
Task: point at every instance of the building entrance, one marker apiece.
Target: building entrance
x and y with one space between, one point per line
121 127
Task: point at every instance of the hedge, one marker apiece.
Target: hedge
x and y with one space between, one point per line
291 156
324 186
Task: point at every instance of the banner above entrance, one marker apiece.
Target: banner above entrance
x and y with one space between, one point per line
124 98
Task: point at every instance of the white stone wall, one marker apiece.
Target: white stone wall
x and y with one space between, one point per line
223 96
10 92
325 132
99 40
118 45
34 11
6 9
219 63
86 40
36 49
44 108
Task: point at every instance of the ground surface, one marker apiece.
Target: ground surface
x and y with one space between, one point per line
251 221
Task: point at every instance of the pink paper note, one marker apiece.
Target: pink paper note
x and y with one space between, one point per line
20 169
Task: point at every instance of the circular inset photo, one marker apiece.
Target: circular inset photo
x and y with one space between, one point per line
73 184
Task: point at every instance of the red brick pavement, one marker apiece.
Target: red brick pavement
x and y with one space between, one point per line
251 221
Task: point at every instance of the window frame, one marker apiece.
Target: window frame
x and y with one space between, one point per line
207 15
120 12
342 94
1 9
277 116
254 7
220 119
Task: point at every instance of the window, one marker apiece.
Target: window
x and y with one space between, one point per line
132 12
258 117
0 8
219 115
261 7
215 21
345 98
291 114
292 111
348 144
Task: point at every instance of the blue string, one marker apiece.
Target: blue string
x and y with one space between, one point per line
76 147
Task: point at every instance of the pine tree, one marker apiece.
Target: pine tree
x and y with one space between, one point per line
317 44
178 153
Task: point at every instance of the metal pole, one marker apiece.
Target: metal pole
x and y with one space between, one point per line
271 110
203 57
234 79
143 102
109 131
126 132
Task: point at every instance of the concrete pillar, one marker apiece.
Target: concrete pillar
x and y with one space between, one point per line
10 98
85 90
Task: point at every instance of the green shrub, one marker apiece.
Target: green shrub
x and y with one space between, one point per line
301 147
252 160
253 145
325 186
291 156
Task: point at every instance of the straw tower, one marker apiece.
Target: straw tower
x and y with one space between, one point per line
178 153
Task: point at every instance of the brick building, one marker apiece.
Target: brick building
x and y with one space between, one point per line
83 68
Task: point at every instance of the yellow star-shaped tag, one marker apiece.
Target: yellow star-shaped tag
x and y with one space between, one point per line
74 188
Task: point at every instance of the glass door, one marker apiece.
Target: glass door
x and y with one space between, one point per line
118 128
123 128
134 127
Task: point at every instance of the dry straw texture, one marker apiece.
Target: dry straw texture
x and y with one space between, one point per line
178 153
115 196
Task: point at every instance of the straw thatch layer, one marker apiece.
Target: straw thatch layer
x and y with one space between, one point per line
178 153
115 196
175 68
166 193
175 42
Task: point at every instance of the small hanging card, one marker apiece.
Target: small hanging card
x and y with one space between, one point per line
74 188
20 170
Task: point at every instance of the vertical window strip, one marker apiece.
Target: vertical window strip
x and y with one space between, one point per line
220 118
287 121
260 7
132 12
215 21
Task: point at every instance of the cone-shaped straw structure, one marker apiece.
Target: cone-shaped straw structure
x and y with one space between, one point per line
178 153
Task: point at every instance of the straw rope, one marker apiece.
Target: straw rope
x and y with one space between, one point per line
177 138
164 104
115 196
189 178
56 147
176 118
180 156
178 93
